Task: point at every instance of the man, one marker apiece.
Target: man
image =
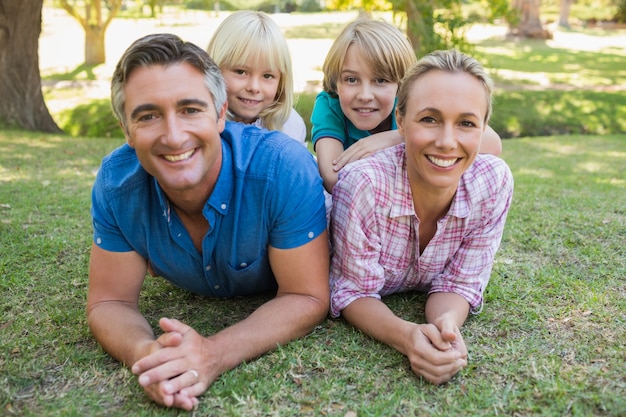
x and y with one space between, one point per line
215 207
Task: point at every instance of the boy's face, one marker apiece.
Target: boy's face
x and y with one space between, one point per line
174 127
366 100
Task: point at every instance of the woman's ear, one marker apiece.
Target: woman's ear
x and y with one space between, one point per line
399 122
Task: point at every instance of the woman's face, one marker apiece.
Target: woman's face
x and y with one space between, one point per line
442 128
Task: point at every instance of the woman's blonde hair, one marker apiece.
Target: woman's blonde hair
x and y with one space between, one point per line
250 35
450 61
384 48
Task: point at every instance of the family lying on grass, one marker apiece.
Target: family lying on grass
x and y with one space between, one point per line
203 197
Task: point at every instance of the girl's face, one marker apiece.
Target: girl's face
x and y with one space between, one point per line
442 128
366 100
251 89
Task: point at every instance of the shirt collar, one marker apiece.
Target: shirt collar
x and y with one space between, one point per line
221 195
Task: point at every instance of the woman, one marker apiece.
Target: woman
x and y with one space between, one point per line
424 215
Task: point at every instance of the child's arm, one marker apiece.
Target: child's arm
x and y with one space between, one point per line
327 151
491 142
367 146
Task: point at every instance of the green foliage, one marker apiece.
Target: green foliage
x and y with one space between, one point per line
94 120
556 112
209 5
620 15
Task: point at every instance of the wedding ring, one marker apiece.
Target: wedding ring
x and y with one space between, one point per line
194 373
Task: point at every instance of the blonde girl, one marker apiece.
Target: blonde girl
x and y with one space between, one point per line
253 55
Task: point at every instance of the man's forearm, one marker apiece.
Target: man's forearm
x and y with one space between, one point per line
276 322
121 330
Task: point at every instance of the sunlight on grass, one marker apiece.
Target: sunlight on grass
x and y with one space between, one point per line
538 173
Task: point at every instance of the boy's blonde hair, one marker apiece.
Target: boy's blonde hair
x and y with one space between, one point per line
384 48
251 35
448 61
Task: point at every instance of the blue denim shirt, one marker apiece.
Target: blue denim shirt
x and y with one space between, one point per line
269 192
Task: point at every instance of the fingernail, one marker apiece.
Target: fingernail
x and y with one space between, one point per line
144 380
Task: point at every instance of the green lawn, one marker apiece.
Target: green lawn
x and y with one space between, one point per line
550 341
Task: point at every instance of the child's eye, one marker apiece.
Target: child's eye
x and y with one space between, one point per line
239 71
380 81
350 80
268 76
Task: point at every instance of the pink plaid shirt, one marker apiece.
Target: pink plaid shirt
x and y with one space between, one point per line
375 231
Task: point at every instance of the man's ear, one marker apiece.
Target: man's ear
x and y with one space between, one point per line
129 140
221 119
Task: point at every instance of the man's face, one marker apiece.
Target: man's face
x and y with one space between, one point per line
173 126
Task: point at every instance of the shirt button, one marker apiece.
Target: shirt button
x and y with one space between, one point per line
243 264
223 206
217 287
311 234
208 267
98 241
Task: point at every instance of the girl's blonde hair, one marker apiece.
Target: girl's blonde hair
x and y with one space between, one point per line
449 61
384 48
250 35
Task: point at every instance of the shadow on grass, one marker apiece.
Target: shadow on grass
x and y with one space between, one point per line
81 72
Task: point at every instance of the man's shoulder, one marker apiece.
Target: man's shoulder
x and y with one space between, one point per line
252 147
121 170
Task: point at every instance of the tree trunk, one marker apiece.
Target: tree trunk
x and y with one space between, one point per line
94 24
21 100
94 46
529 24
420 26
566 6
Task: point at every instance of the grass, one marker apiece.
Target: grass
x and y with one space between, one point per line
550 341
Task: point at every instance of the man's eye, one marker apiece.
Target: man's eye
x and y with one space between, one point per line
146 117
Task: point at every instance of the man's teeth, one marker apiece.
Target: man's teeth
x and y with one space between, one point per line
443 163
180 157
